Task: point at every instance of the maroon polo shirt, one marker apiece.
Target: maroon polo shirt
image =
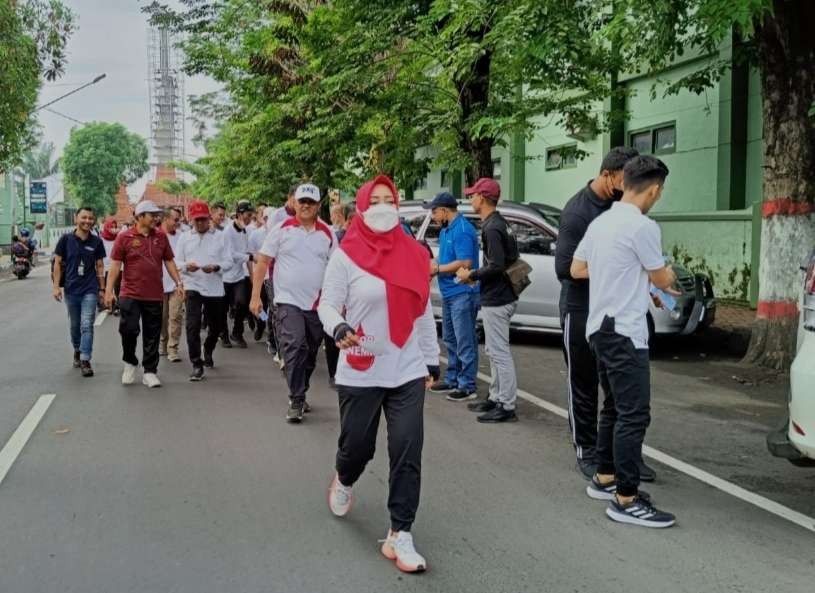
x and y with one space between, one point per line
143 262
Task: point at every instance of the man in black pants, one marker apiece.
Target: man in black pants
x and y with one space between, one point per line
203 259
622 254
590 202
236 280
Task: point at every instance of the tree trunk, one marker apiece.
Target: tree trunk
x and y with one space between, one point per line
787 60
474 90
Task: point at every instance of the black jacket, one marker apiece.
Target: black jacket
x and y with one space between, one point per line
500 251
575 218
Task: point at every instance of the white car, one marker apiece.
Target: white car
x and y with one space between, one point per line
536 230
795 438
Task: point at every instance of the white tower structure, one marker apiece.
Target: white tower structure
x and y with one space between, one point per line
166 85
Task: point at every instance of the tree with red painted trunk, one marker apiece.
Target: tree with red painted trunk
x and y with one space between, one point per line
777 37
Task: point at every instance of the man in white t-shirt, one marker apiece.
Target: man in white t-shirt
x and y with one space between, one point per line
621 253
300 247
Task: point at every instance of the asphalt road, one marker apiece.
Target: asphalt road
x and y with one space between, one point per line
204 488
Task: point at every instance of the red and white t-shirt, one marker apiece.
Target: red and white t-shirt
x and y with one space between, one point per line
379 362
300 257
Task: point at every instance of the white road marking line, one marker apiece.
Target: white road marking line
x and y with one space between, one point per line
100 319
18 440
686 468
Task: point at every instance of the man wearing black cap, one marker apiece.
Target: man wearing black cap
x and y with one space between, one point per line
458 248
236 279
498 300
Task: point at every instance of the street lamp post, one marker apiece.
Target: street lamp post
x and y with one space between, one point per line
76 90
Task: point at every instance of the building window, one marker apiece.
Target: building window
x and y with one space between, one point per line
421 183
496 169
561 157
657 140
445 179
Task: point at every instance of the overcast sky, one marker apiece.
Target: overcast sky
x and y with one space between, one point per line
111 39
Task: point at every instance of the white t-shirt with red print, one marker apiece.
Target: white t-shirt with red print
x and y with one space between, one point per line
378 362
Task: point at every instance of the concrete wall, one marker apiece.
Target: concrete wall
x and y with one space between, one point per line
716 244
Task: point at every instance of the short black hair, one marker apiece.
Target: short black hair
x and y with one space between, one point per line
175 209
642 172
88 208
617 157
220 205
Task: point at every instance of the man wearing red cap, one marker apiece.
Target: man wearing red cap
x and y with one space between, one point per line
202 257
498 300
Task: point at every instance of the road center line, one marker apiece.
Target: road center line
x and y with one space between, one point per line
100 319
686 468
18 440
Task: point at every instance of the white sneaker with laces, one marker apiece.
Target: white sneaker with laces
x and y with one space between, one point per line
398 546
151 380
340 498
129 374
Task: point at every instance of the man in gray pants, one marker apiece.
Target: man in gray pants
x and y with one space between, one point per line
498 301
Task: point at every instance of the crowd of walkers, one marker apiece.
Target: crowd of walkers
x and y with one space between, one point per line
358 288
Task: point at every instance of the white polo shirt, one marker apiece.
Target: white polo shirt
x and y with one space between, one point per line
300 258
204 249
621 246
237 241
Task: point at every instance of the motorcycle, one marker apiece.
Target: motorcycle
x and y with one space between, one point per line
22 266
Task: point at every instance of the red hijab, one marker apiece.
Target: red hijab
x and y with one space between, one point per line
107 229
396 258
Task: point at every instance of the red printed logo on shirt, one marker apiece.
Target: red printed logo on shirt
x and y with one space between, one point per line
357 357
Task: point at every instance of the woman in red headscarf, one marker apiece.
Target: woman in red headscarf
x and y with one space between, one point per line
108 235
380 277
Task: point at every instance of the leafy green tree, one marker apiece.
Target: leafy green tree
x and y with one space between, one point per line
40 163
776 37
33 36
97 159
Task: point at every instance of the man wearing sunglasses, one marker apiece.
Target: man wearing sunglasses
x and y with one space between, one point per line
300 247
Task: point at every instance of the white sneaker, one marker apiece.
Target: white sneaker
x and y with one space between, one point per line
340 498
151 380
399 546
129 374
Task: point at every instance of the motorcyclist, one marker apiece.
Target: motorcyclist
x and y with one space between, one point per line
29 244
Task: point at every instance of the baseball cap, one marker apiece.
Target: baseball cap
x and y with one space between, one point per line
442 200
198 209
307 191
243 206
146 206
486 186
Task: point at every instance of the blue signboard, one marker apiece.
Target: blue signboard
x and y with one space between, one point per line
38 200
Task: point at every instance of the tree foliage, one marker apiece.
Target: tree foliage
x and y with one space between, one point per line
97 159
33 37
39 162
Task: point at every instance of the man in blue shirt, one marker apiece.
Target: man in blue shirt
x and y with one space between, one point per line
458 248
79 265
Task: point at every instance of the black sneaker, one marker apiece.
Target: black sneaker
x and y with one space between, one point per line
599 491
270 349
259 332
77 362
239 341
85 368
461 395
498 414
332 383
225 342
587 467
641 511
441 387
647 473
485 405
295 413
250 321
197 374
208 362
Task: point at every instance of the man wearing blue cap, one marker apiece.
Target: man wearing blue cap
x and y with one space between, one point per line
458 248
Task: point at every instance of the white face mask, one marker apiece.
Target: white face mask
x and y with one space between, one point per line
381 218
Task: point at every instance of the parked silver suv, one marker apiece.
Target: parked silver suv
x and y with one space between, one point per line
535 228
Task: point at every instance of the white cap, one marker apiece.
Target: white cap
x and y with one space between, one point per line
146 206
307 191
